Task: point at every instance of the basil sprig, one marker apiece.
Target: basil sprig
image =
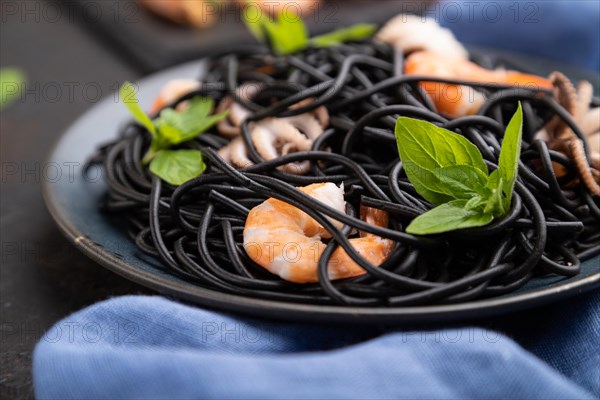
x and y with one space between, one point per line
287 34
449 171
352 33
172 128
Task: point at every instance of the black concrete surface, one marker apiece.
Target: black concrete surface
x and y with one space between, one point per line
42 277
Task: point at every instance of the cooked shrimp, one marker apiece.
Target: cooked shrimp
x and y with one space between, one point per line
455 100
409 33
173 90
288 242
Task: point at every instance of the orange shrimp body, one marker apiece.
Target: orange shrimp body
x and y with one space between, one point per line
288 242
456 100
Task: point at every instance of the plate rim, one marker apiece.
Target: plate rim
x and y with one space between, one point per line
213 299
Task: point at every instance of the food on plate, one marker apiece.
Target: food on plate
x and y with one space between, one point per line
275 221
457 100
332 170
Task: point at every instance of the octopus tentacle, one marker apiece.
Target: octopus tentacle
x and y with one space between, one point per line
576 100
273 136
581 163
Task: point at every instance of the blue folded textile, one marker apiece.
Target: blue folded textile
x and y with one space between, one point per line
564 31
148 347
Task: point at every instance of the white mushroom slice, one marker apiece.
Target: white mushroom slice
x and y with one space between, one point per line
412 33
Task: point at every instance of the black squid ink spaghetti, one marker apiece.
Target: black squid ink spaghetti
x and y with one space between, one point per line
344 101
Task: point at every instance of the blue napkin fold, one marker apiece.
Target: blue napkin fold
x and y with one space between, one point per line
564 31
148 347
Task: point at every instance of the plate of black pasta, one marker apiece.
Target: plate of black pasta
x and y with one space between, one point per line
368 175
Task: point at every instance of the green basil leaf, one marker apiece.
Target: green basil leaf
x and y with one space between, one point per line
448 217
510 154
168 128
204 125
425 183
424 147
476 202
461 181
286 35
352 33
198 108
254 23
178 127
177 166
196 118
12 81
128 96
496 201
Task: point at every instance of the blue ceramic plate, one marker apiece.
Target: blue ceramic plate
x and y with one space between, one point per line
73 197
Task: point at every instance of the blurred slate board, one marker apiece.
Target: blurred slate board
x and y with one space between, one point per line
151 43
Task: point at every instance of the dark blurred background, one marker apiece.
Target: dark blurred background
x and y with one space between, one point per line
72 54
